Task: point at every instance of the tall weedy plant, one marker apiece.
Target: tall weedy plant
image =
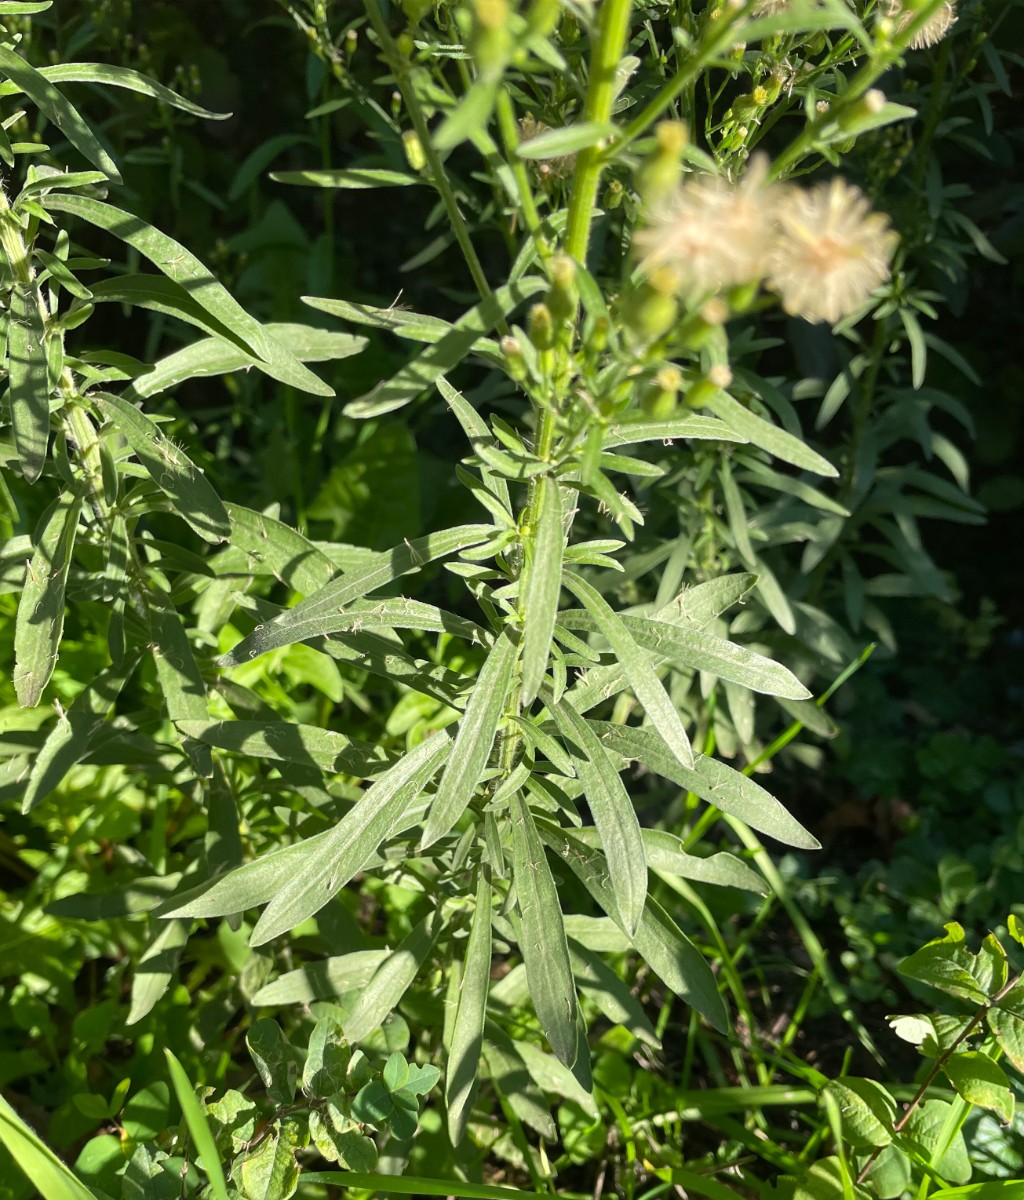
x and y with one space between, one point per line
587 646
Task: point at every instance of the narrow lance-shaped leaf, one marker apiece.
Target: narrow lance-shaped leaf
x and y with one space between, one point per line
543 585
468 1023
337 855
156 967
119 77
695 650
613 814
182 267
424 370
215 356
390 982
187 488
473 742
768 436
198 1127
711 780
664 947
181 681
312 617
56 108
542 935
41 1167
283 741
40 621
68 742
29 386
649 689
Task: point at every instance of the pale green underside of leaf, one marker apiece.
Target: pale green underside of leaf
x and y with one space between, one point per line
463 1067
306 745
712 781
181 481
28 396
319 613
119 77
40 620
542 935
476 733
182 267
543 586
663 946
325 979
769 437
424 370
390 982
331 862
693 650
56 109
214 356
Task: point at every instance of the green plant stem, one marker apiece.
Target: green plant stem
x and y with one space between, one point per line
612 34
437 172
937 1066
510 140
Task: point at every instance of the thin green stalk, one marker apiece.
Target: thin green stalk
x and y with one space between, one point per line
438 176
612 34
510 140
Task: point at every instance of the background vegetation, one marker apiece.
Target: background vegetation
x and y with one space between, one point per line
909 776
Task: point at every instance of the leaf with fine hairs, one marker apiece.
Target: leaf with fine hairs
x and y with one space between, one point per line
29 393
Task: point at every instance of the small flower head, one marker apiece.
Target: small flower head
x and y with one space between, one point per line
933 30
830 251
712 233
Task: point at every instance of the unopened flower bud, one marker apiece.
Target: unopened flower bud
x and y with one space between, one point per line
541 327
861 115
413 147
613 194
491 40
416 10
704 389
514 360
660 402
562 298
405 46
695 331
663 169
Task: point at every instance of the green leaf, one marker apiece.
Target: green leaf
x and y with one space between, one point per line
355 177
183 268
29 384
613 814
646 685
690 649
947 964
332 859
390 981
932 1130
198 1127
57 110
414 1185
867 1111
769 437
156 967
1008 1029
341 1142
40 620
1003 1189
270 1172
462 1075
663 946
665 853
474 427
112 76
543 585
711 780
214 356
274 1058
12 8
542 935
609 994
631 433
471 115
181 681
311 616
325 979
181 481
981 1082
41 1167
827 1179
555 1078
557 143
436 360
70 739
477 731
308 745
